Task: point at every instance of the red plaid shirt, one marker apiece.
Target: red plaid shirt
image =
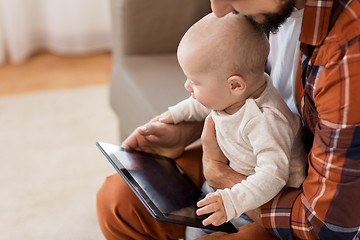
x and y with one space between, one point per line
328 96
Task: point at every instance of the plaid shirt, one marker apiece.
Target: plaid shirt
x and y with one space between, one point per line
328 96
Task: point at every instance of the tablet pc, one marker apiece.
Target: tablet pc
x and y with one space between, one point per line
161 185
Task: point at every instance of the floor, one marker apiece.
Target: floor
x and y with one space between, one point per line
53 109
46 71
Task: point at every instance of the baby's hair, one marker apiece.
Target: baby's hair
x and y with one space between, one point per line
246 46
232 44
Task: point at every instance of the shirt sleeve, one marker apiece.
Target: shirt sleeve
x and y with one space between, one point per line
328 205
188 110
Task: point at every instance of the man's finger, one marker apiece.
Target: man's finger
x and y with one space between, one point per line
131 141
152 128
209 129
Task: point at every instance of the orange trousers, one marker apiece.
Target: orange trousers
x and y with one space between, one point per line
121 215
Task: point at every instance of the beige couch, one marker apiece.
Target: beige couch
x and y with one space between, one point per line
146 77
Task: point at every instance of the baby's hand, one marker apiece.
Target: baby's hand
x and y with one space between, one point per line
212 203
164 118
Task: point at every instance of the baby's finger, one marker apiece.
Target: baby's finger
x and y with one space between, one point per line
210 198
219 222
207 209
213 219
220 218
166 117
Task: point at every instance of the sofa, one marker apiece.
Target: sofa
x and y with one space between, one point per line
146 77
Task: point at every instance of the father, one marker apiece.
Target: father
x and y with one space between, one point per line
328 99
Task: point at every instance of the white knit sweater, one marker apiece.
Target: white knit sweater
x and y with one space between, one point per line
262 141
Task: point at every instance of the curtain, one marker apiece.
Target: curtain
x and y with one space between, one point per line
60 26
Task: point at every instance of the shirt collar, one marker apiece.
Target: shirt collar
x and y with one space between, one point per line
315 25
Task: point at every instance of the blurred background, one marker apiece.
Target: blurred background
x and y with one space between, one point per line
55 61
64 27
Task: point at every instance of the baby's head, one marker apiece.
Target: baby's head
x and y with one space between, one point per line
222 57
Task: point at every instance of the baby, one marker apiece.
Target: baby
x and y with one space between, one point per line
223 60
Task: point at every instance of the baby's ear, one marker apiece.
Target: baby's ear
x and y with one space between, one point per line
237 84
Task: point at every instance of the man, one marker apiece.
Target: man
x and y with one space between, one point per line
327 86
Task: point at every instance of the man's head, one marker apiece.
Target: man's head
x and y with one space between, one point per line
270 14
220 57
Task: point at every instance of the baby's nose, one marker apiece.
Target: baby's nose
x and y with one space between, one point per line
187 86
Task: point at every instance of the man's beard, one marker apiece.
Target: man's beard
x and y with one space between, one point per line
272 21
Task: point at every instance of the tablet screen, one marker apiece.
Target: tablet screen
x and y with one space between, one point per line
171 191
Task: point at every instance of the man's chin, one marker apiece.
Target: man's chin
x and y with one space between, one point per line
272 22
259 19
267 23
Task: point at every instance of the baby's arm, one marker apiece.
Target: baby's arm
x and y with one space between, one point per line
212 203
188 110
271 137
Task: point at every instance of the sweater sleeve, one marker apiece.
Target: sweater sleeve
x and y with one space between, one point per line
188 110
271 137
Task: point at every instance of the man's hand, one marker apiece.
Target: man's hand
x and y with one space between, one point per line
214 161
163 139
212 203
216 166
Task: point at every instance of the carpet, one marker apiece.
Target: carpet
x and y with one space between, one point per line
50 166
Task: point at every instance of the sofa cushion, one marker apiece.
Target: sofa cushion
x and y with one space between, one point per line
143 86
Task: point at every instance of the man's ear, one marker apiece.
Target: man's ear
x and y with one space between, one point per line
237 84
